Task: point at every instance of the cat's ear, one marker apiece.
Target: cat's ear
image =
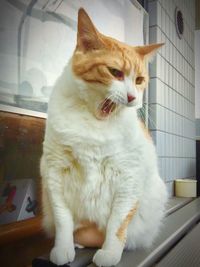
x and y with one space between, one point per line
148 51
88 37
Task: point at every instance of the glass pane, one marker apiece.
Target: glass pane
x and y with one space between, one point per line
21 140
38 38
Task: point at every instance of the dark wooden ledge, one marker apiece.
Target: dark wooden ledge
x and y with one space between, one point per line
21 242
19 230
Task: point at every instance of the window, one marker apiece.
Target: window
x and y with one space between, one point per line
37 40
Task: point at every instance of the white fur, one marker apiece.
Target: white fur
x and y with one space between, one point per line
97 170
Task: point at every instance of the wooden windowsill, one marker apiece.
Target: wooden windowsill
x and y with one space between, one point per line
18 230
23 241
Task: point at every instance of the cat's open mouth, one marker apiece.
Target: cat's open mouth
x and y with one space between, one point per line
106 108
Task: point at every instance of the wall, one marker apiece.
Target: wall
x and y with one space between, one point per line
197 82
172 92
197 70
197 7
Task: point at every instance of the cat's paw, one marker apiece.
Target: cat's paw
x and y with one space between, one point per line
61 255
106 258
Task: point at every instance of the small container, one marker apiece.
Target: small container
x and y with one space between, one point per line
185 188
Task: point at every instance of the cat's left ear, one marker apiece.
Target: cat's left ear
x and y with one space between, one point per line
148 51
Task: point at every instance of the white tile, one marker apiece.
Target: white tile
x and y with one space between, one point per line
152 117
167 25
152 91
158 65
166 96
153 34
170 80
170 188
161 71
154 137
152 67
159 14
163 19
168 144
160 37
168 56
160 92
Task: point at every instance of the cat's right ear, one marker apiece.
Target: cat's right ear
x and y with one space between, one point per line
88 38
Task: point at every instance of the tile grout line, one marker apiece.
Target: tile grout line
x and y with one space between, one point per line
156 25
156 77
173 111
170 133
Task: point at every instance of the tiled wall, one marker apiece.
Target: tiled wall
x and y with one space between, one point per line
171 90
197 81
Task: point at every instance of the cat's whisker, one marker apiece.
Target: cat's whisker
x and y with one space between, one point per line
141 115
141 112
103 103
152 123
113 98
120 98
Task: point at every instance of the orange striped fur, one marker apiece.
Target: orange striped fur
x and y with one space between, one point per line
95 53
121 233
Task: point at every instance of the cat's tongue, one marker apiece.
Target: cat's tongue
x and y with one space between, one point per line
107 107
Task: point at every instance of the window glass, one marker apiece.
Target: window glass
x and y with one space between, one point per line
38 38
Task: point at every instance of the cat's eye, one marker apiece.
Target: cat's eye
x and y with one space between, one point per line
139 80
117 73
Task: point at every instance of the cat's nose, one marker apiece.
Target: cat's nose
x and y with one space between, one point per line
130 97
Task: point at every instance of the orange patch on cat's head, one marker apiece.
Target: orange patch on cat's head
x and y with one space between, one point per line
96 54
115 73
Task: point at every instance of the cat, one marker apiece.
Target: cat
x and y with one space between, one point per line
99 163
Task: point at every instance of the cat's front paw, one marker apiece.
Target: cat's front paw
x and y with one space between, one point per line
61 255
106 258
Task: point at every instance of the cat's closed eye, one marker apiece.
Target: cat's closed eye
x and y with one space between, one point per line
139 80
116 73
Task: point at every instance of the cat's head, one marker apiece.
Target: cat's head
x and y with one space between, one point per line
111 74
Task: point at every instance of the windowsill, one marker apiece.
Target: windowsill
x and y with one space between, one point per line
30 227
176 203
26 240
19 230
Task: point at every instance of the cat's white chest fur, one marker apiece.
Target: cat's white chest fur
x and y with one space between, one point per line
89 194
95 170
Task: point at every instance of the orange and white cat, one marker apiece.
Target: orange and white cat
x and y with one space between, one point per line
99 165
